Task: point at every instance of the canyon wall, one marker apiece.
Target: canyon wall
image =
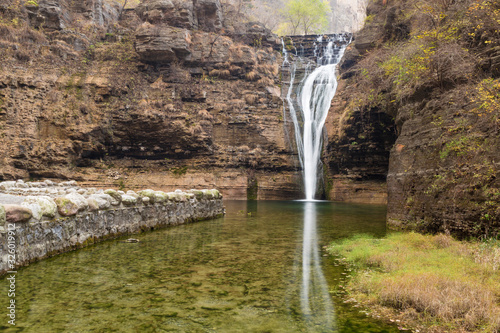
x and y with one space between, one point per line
169 94
418 102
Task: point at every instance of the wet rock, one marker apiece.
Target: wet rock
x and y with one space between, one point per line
17 213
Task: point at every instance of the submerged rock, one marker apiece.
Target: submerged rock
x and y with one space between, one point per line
131 240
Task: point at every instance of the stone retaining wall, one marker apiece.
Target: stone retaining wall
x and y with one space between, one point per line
39 220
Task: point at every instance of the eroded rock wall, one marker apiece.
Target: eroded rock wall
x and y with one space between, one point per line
172 93
418 103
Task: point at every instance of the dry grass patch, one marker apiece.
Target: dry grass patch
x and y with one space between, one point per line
252 76
220 73
432 282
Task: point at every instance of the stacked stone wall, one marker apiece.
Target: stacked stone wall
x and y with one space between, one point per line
42 219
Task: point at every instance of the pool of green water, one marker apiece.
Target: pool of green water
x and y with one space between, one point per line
240 273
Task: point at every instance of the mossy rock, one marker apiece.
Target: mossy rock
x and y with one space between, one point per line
172 196
117 197
198 194
129 200
66 207
2 215
208 194
160 196
47 205
149 194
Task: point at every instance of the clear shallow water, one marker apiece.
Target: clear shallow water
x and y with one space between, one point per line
241 273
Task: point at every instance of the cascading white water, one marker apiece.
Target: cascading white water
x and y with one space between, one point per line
308 104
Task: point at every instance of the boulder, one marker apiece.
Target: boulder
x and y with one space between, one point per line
197 193
103 200
66 207
148 194
47 205
129 200
17 213
116 197
93 204
79 200
132 193
160 196
36 210
48 14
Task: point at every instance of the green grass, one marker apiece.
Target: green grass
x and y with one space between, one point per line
433 283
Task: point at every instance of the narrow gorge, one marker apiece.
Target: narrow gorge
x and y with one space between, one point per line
176 94
120 118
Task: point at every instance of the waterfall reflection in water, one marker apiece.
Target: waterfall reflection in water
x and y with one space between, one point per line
316 303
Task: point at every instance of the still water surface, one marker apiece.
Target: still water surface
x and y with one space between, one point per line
240 273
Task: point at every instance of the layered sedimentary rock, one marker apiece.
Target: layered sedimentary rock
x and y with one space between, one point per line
173 94
41 219
422 111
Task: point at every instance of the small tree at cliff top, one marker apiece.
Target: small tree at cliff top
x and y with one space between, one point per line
305 16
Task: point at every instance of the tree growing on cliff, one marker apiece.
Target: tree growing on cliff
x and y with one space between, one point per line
305 16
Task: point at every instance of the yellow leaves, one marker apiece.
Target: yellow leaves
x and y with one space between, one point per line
487 98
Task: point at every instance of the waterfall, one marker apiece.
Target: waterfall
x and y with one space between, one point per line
309 101
312 86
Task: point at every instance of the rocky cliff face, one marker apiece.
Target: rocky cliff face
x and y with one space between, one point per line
418 102
168 94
